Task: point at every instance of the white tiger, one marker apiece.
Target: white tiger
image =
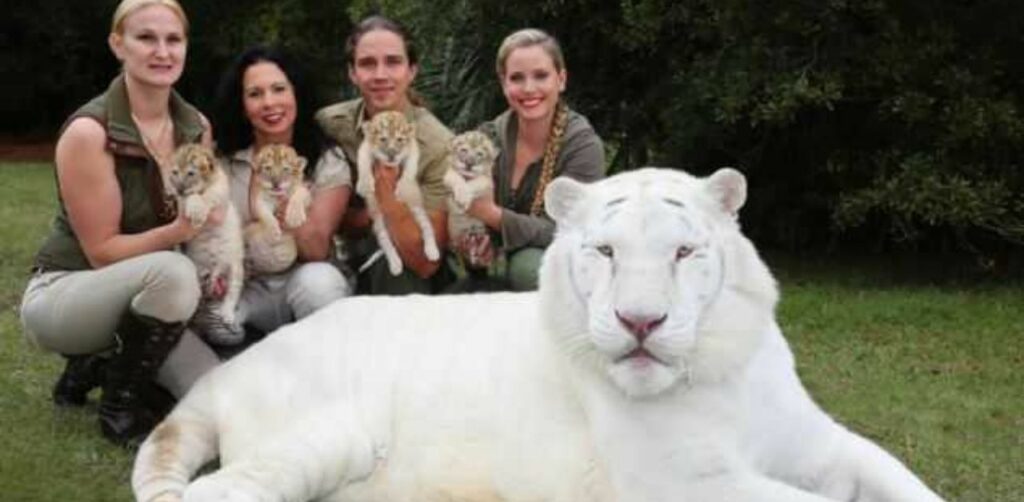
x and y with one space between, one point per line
648 367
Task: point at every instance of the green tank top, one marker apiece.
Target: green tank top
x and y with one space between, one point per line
143 204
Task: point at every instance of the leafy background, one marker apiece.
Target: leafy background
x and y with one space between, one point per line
864 126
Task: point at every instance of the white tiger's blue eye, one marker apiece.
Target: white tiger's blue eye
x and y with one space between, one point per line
683 252
606 250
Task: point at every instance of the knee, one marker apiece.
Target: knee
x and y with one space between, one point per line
314 285
522 269
172 277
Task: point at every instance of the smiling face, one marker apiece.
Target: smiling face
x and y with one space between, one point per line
151 46
268 99
532 83
382 71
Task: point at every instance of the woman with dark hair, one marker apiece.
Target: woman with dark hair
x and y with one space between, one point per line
382 64
264 99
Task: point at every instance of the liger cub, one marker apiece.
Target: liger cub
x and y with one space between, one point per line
473 156
279 188
200 186
390 139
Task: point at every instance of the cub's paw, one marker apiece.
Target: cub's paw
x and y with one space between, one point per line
463 197
196 211
213 488
394 264
430 250
295 215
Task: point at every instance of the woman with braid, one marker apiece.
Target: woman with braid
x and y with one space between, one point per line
539 138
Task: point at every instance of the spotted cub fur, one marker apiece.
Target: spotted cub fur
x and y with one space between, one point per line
200 185
390 139
279 188
470 176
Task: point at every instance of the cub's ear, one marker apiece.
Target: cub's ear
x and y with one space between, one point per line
728 187
561 198
300 163
208 165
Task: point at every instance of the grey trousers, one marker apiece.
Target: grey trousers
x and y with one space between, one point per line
75 312
270 301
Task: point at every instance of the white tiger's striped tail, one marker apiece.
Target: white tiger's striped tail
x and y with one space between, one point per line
171 455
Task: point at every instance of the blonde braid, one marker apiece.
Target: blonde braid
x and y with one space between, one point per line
551 151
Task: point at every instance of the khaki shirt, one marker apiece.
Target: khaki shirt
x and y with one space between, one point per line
144 203
581 158
343 123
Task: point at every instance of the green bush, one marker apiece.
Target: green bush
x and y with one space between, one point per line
875 124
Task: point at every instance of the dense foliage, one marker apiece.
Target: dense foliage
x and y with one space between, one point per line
867 124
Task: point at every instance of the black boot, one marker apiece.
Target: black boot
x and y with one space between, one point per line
145 342
81 374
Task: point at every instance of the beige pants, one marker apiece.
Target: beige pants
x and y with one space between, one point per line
76 312
271 301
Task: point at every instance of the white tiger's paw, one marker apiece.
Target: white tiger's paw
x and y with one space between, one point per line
196 210
295 215
430 250
213 488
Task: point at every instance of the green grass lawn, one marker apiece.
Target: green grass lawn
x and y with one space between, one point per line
935 374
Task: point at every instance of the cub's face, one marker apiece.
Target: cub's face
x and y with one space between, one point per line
473 154
278 169
193 168
645 262
389 135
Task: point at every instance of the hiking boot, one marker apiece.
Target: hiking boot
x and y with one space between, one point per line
145 342
82 374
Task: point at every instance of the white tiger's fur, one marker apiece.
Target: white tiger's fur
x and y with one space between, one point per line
539 396
391 139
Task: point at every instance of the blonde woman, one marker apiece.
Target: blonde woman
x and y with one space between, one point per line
106 279
540 138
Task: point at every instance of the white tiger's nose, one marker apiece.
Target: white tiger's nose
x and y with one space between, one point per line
640 326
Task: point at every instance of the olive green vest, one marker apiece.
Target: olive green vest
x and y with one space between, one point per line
143 205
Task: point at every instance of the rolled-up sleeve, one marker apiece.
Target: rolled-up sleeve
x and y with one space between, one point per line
333 170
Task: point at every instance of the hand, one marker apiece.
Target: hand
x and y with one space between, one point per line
476 249
216 216
182 229
195 210
385 178
484 209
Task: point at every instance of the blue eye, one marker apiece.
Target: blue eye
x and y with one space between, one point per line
606 250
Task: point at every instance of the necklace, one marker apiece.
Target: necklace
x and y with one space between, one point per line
162 158
169 207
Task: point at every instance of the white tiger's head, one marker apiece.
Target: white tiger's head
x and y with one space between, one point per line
643 272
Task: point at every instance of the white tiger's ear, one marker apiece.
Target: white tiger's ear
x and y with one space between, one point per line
728 187
562 196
